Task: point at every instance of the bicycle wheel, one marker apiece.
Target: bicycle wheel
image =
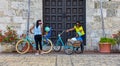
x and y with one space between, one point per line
77 50
22 46
57 46
47 45
68 48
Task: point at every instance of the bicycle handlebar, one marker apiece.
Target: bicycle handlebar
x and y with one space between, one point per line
61 33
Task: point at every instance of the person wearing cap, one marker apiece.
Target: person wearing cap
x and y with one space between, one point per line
38 30
80 32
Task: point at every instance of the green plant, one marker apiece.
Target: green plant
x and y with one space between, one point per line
10 35
1 33
117 37
111 41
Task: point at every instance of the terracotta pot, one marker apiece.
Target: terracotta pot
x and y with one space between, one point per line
105 47
7 47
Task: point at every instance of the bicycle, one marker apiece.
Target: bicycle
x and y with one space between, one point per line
69 47
23 45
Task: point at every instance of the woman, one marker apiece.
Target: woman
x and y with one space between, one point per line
79 30
38 29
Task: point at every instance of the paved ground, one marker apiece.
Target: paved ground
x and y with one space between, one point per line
60 59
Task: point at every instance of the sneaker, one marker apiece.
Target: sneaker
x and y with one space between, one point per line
36 53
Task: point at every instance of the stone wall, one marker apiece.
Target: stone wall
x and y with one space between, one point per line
111 16
14 13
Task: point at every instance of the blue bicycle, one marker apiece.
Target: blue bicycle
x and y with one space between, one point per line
69 46
23 45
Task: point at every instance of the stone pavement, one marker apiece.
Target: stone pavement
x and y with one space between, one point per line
59 59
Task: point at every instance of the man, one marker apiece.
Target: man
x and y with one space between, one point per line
79 30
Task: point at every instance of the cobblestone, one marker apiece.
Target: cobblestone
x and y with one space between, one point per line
14 59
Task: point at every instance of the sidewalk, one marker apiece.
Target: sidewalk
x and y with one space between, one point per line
59 59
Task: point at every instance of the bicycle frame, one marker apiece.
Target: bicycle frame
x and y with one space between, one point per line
32 42
60 39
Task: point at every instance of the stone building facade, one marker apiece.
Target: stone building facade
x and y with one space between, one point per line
14 13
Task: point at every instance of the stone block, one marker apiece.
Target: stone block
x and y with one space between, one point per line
1 13
97 12
104 5
19 20
10 12
115 19
5 19
18 5
90 4
15 26
111 12
4 4
90 12
89 19
113 5
118 12
98 4
97 18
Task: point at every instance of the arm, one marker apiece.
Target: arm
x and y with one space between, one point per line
70 30
32 29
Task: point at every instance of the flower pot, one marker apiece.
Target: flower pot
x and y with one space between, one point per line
7 47
105 47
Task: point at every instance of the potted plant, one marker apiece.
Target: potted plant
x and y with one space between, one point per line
105 44
9 39
117 37
1 36
10 36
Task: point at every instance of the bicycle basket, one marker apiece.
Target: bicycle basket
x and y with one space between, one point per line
76 43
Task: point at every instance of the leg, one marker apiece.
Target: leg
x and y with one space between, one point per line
82 44
40 39
36 41
82 47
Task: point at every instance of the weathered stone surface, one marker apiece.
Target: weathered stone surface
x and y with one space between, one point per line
5 19
118 12
4 4
1 13
111 12
107 4
18 20
18 5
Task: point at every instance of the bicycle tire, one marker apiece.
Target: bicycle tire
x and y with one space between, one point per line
57 46
78 50
25 43
50 44
68 48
